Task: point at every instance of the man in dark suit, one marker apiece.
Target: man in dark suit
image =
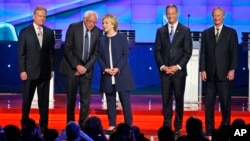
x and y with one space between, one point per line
218 61
173 49
36 64
80 51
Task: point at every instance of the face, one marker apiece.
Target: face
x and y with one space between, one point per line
39 17
218 17
90 21
107 25
172 15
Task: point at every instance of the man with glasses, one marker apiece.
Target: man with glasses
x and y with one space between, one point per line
80 51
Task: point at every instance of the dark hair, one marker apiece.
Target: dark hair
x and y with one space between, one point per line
72 130
165 134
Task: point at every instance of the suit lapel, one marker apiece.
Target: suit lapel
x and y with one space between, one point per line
34 35
167 34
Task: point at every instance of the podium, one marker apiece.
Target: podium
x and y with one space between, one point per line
192 95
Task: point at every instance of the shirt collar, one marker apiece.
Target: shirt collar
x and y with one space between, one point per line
175 25
220 27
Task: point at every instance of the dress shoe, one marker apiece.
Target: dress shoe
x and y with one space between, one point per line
110 130
208 133
177 132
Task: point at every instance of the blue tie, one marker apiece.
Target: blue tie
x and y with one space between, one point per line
171 33
86 47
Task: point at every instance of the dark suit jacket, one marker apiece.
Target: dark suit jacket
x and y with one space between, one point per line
74 47
120 52
36 61
177 52
221 56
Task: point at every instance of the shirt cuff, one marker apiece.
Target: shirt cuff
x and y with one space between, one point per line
162 67
179 67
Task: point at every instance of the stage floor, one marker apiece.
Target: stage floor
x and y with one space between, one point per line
147 116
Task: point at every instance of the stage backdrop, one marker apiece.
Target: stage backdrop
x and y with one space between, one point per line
143 16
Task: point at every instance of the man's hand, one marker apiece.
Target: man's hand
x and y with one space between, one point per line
203 75
81 69
230 75
170 70
23 75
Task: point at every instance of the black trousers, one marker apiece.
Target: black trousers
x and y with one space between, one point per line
173 86
126 106
29 87
223 89
72 84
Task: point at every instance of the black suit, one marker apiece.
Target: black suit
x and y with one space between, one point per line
216 59
73 56
38 63
169 54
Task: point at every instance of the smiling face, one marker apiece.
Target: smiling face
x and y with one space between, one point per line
172 14
39 17
218 16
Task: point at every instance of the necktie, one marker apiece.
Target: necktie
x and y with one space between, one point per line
86 47
217 34
171 34
40 36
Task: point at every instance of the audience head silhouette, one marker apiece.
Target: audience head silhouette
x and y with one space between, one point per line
165 134
72 130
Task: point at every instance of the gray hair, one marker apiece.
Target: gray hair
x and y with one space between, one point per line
87 13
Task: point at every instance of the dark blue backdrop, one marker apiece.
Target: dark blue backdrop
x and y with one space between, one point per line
141 61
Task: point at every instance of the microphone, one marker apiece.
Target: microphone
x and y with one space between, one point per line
188 19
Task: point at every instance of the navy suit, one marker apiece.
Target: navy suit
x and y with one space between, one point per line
216 59
38 62
72 57
172 53
123 80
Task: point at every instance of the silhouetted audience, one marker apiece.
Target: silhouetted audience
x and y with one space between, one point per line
194 130
238 121
12 132
31 131
94 129
50 134
72 132
2 134
137 133
122 133
165 133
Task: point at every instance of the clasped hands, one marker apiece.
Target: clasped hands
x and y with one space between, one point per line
170 70
112 71
80 70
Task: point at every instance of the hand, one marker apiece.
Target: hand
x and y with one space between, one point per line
173 69
230 75
115 71
203 75
81 69
108 71
77 73
23 76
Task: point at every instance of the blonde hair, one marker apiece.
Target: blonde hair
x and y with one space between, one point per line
112 19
